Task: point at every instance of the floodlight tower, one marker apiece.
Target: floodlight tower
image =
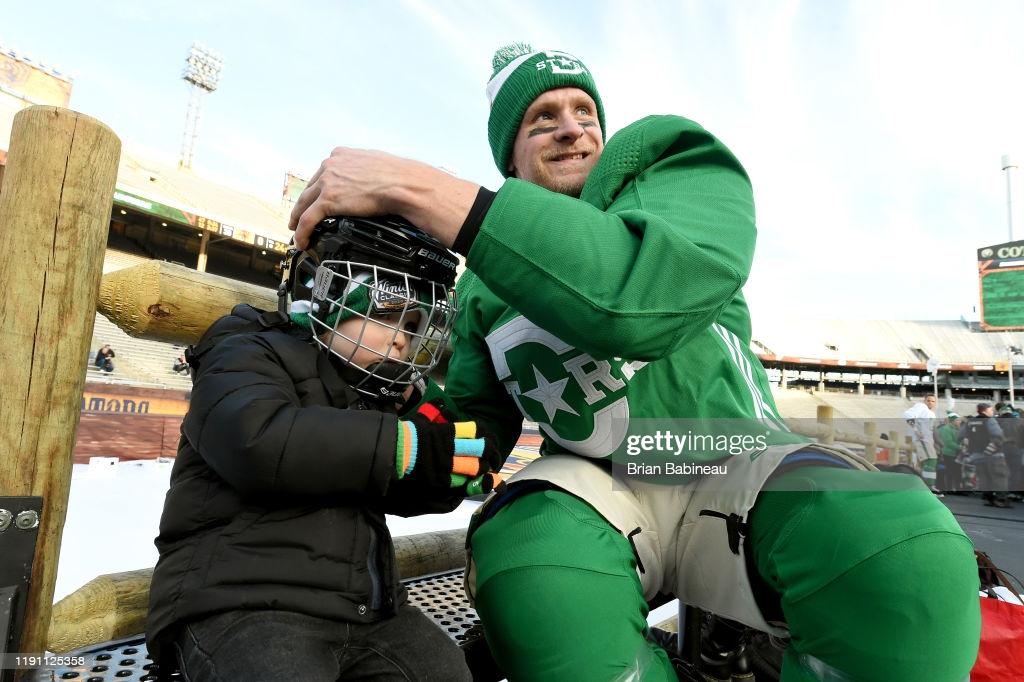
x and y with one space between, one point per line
1009 165
202 72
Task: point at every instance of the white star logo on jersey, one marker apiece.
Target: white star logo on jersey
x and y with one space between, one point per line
549 394
600 425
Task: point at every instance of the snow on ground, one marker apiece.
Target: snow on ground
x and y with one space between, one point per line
114 512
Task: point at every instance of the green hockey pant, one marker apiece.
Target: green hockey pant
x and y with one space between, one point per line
876 585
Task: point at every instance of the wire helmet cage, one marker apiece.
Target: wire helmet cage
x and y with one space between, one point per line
392 279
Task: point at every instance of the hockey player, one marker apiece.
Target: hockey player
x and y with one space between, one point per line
604 296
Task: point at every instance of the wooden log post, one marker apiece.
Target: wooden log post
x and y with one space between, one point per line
894 449
824 417
115 605
54 216
204 246
162 301
870 448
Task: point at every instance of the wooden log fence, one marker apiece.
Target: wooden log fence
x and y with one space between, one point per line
825 431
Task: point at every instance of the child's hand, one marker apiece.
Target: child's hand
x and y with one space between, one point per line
438 453
481 485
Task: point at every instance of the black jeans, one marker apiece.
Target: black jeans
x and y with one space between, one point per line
1014 464
993 477
277 646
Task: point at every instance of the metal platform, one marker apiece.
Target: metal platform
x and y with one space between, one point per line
440 596
122 659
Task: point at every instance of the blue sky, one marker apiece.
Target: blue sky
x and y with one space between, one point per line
872 130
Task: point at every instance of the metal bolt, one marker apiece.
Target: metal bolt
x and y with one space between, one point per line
5 519
26 520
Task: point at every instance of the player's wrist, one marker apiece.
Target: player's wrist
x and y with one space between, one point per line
431 199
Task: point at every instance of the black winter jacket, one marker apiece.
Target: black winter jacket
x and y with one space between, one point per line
278 493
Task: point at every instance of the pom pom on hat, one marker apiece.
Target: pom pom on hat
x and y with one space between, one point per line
503 56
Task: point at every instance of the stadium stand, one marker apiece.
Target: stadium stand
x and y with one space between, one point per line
797 404
887 357
900 341
138 362
118 260
182 187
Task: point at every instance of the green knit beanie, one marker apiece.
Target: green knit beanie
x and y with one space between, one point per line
357 302
389 296
522 74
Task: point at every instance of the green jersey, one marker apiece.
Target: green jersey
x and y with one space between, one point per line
948 445
587 315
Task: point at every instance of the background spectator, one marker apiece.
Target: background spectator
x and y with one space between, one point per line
950 473
181 365
984 440
1010 423
921 418
103 356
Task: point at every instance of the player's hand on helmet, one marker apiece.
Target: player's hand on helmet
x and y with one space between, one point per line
435 452
348 182
362 182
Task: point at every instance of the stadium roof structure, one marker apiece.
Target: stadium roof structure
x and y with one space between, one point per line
33 63
864 345
179 194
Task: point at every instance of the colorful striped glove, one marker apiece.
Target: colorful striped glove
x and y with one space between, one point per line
435 452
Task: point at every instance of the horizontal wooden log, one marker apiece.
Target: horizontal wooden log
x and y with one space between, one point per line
167 302
115 605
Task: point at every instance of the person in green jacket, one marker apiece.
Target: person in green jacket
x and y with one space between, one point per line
603 301
951 475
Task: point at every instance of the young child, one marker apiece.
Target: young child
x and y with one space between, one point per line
275 560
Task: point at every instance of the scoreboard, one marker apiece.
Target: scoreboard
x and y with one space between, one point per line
1001 285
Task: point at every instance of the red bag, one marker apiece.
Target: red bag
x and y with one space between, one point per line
1001 654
